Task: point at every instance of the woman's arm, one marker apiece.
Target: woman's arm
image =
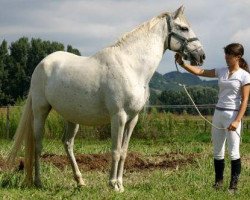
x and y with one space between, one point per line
243 107
194 69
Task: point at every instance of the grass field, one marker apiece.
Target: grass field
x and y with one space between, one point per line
186 181
171 158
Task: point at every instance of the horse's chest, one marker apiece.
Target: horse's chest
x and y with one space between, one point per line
136 100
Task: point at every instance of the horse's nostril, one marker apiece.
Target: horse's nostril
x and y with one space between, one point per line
203 57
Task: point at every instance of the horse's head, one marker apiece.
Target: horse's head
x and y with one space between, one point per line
182 39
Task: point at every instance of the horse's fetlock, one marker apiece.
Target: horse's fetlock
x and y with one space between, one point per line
112 182
78 176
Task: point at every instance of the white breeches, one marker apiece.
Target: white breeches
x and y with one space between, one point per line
223 119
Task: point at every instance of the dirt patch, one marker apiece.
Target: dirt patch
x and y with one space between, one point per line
134 161
102 162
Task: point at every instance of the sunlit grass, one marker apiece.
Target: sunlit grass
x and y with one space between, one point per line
192 181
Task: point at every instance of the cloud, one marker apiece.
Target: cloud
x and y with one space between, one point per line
242 35
92 25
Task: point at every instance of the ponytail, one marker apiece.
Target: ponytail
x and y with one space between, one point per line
243 64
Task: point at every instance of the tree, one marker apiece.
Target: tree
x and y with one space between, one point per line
72 50
4 56
200 95
17 67
39 50
18 64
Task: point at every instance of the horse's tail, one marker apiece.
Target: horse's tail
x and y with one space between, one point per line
24 133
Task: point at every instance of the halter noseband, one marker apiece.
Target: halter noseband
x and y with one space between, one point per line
184 41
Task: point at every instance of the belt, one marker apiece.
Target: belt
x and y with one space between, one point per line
225 109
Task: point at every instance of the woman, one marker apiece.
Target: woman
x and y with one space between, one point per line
233 95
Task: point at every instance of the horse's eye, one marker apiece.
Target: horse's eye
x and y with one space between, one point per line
184 28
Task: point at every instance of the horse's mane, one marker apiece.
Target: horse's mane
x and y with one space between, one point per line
142 28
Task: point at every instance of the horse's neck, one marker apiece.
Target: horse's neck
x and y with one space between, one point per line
147 54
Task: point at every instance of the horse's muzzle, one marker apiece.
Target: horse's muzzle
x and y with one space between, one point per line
197 57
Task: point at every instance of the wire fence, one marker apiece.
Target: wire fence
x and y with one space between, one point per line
154 119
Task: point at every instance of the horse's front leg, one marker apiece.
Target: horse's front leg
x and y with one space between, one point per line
118 122
68 140
130 125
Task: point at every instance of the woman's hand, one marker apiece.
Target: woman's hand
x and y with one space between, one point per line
178 59
233 126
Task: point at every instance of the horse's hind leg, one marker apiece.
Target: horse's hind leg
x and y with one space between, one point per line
68 140
40 115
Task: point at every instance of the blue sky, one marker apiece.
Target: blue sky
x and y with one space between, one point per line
94 24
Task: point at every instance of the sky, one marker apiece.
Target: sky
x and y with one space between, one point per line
91 25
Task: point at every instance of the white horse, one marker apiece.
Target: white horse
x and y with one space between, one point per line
110 86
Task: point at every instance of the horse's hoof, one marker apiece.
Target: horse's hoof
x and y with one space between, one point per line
120 190
120 187
81 184
112 183
38 184
116 186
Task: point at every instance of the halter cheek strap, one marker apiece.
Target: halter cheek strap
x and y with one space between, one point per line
184 41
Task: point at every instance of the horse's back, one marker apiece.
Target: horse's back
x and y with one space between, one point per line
72 86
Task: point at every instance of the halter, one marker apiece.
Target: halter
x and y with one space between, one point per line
184 41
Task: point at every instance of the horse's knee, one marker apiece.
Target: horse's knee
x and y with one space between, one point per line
123 155
116 154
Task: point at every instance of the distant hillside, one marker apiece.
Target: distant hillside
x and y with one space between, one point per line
159 83
169 81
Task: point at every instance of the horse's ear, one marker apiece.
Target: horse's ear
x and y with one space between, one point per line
178 12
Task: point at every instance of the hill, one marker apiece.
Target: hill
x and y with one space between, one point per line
169 81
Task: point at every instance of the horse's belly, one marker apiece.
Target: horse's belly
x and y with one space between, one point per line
87 119
88 109
85 116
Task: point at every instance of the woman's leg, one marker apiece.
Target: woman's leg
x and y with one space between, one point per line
233 138
219 139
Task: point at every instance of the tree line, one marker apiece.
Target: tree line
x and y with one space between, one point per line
200 94
17 63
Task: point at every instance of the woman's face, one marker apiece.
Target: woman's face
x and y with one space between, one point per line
231 60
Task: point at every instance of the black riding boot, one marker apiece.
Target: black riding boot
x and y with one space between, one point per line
219 166
235 174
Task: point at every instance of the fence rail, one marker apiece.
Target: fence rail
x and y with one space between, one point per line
159 122
185 106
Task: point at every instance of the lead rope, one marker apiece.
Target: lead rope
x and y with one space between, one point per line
184 86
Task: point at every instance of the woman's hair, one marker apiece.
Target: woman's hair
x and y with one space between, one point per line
237 49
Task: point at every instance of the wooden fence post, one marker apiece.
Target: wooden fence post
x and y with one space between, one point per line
205 127
8 122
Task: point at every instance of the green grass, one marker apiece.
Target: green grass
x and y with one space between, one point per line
167 126
190 182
